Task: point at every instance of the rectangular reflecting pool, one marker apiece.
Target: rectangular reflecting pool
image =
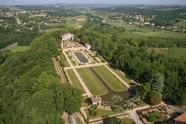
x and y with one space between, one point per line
81 57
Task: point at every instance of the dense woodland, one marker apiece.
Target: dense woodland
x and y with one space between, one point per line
30 90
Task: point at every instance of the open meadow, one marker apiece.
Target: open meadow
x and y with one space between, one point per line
20 48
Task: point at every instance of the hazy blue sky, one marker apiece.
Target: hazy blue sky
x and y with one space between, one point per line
13 2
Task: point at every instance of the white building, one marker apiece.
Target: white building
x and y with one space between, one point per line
67 37
87 45
96 100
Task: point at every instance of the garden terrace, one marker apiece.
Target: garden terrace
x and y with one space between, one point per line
110 79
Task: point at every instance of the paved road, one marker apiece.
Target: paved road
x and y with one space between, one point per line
177 109
135 116
10 46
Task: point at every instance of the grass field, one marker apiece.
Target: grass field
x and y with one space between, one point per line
125 25
69 24
121 75
181 23
172 34
170 52
65 61
163 51
74 79
93 84
20 48
77 21
110 79
52 29
177 53
103 112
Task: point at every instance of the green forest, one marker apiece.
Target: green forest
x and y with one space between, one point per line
30 90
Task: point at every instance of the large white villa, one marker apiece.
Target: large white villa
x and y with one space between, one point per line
67 37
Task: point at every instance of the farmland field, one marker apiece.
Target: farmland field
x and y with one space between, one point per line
110 79
93 84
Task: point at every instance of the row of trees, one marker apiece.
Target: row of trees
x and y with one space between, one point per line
31 91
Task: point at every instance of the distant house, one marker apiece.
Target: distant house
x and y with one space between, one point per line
67 37
181 119
96 100
87 45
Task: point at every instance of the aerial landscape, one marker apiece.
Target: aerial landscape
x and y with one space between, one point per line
93 62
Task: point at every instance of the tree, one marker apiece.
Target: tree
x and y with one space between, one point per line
72 99
157 83
154 98
145 90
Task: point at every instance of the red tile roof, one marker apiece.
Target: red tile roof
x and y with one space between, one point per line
181 118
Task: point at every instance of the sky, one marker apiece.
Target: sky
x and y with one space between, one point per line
156 2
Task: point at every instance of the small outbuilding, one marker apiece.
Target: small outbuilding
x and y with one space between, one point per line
181 119
87 45
96 100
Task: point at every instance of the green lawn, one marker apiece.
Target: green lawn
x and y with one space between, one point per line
65 61
103 112
20 48
154 117
110 79
128 121
177 53
91 81
121 75
74 79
